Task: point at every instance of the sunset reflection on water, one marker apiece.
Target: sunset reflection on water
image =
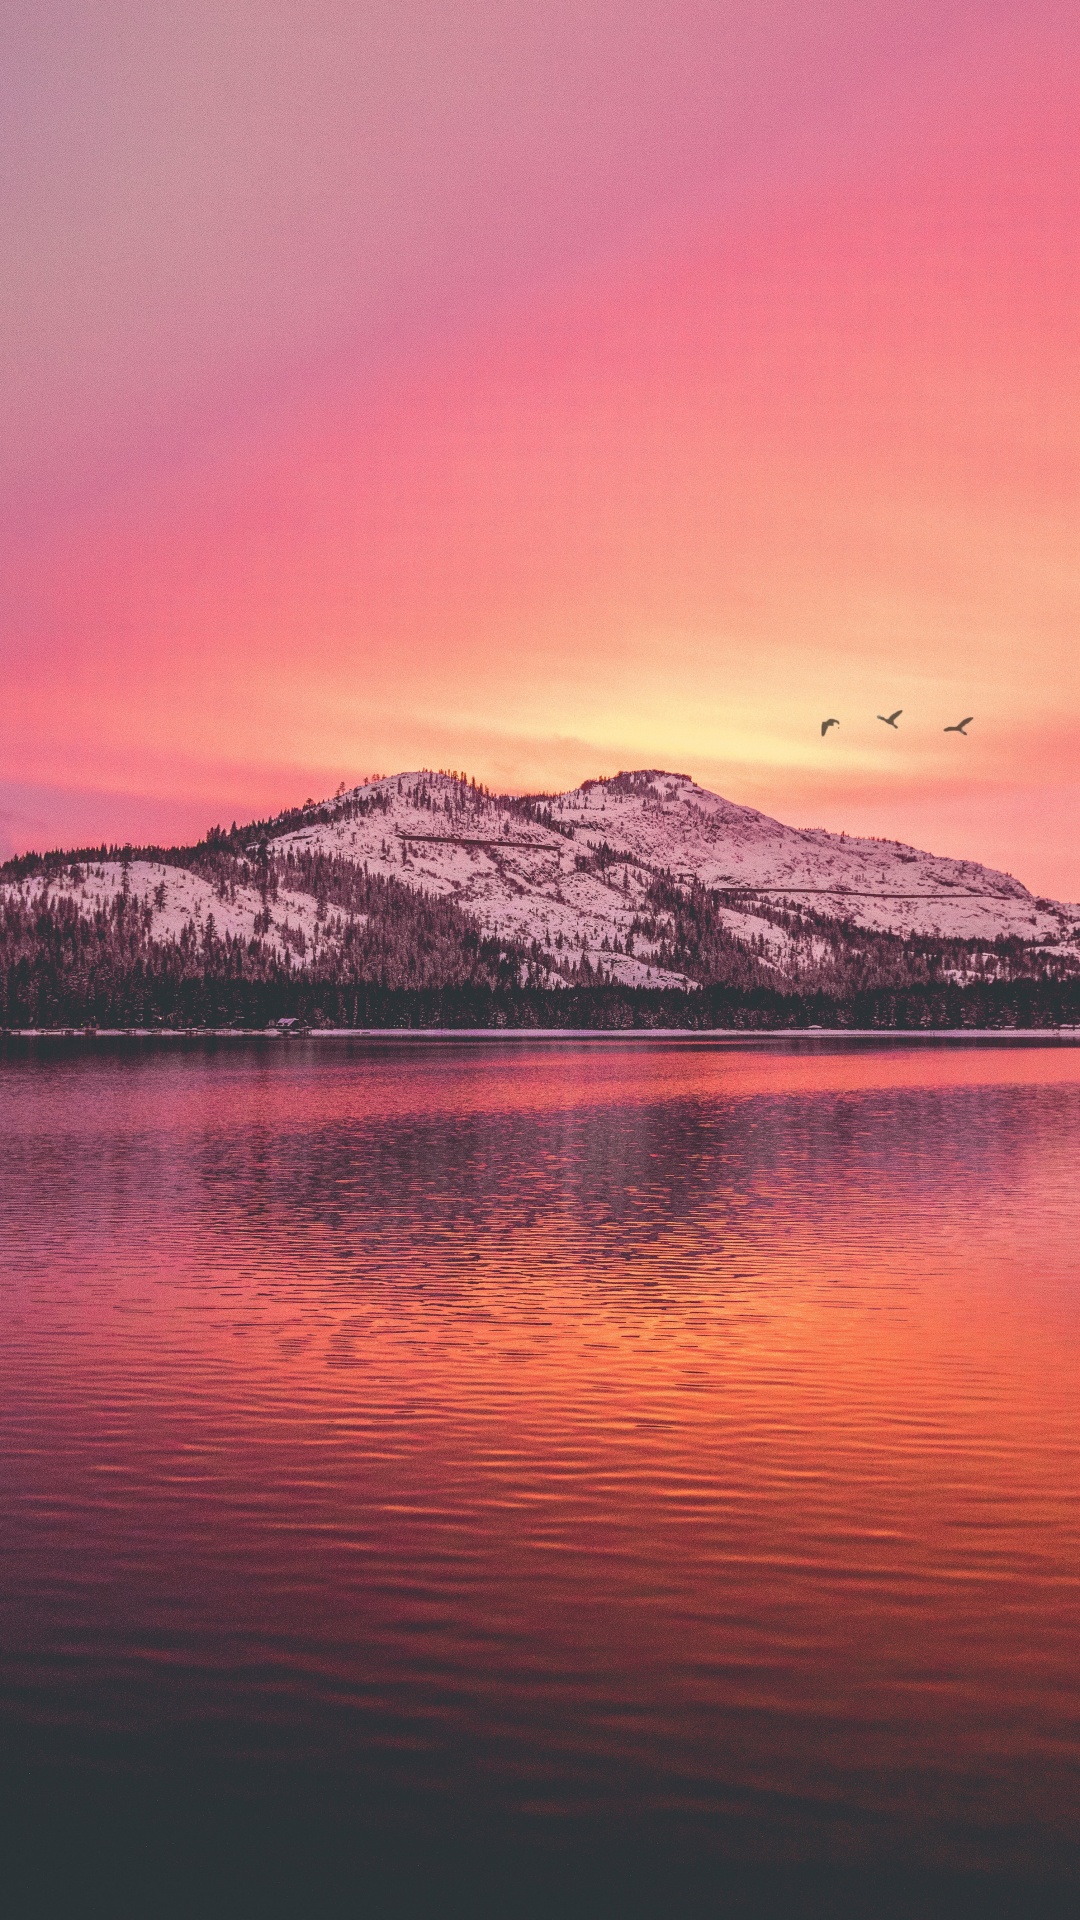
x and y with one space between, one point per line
667 1439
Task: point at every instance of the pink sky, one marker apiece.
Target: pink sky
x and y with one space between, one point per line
543 391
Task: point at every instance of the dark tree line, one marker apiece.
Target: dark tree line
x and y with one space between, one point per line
61 967
416 963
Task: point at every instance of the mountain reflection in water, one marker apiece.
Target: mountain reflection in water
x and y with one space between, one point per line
644 1451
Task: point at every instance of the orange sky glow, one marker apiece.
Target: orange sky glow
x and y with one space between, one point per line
541 393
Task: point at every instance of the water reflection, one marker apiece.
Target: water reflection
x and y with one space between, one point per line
674 1436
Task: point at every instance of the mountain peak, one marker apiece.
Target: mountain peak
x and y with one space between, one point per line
577 866
590 882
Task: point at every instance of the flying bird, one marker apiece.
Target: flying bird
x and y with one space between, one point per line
960 725
826 724
891 719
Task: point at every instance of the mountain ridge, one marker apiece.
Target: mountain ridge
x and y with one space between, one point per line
653 822
641 880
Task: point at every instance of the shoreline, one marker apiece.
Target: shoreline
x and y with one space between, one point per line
697 1034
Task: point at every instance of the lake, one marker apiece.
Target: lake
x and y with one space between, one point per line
461 1472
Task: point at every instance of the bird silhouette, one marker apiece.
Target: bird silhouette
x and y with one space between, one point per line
960 725
826 724
891 719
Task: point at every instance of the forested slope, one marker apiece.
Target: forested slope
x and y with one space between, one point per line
503 910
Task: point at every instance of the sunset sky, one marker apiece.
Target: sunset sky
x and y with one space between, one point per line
542 390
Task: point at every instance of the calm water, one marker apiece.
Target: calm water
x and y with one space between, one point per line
663 1452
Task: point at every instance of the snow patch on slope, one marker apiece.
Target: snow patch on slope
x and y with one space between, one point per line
177 899
522 880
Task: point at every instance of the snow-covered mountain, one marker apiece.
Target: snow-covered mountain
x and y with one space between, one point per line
574 874
573 868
